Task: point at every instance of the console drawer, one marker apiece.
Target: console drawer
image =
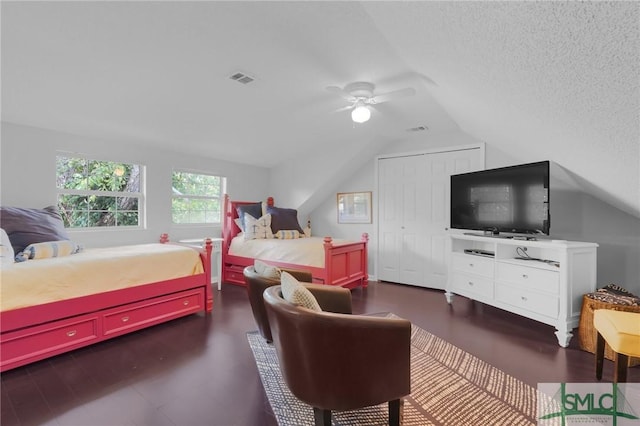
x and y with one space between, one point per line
473 264
48 339
528 277
533 302
152 311
479 288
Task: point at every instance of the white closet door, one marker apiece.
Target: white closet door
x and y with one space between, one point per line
414 214
401 188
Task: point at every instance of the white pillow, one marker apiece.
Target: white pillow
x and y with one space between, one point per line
265 270
256 229
48 249
297 294
6 250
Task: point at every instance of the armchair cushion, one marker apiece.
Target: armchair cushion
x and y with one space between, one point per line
294 292
265 270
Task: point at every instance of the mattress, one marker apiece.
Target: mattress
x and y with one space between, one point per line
299 251
93 271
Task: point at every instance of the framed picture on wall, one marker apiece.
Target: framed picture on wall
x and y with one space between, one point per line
354 207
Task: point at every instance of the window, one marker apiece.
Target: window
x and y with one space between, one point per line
197 198
93 193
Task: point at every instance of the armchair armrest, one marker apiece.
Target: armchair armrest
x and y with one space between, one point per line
330 298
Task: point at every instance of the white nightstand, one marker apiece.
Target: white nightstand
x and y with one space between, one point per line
216 251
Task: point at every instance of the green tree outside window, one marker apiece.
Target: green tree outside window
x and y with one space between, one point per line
196 198
94 193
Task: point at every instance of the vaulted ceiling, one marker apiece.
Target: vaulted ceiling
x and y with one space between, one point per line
537 80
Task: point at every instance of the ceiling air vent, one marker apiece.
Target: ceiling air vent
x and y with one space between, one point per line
418 129
241 78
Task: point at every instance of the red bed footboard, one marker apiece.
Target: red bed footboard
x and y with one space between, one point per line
345 264
37 332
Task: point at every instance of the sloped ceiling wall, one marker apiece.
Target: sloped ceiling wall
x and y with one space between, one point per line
555 80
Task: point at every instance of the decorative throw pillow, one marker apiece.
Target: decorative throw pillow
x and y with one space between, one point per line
6 250
284 219
265 270
28 226
254 210
295 293
287 234
48 249
257 229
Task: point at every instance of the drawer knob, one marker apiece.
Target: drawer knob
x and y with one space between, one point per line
185 302
470 283
71 333
124 319
524 299
525 276
471 264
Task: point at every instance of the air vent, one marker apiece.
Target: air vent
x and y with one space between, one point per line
418 129
241 78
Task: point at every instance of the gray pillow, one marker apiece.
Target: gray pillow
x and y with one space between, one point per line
254 210
26 226
284 219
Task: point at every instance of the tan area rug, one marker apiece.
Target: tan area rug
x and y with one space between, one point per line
449 387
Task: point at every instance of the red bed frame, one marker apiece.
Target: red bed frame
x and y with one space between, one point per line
37 332
345 264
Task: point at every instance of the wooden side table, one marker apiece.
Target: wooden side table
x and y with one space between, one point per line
216 251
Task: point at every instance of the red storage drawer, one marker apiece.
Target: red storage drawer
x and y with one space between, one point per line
153 311
235 274
47 340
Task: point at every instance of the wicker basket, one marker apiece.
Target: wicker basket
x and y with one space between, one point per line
587 332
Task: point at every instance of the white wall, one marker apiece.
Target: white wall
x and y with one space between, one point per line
27 179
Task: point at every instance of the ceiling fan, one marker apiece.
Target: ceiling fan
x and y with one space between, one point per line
361 96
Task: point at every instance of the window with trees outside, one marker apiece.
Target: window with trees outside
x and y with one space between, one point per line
99 194
196 198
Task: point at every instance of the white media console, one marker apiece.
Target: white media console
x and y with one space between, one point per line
548 290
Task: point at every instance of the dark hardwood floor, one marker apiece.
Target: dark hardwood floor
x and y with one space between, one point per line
199 370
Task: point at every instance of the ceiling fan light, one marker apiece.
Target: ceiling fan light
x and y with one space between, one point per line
360 114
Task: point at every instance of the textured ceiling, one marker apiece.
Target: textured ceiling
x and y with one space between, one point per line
536 80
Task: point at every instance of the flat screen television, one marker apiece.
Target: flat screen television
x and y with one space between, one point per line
511 199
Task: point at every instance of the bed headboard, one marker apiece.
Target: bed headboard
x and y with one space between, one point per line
229 216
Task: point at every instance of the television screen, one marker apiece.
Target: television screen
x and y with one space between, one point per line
511 199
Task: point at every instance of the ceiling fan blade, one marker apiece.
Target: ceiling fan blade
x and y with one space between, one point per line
344 108
340 92
385 97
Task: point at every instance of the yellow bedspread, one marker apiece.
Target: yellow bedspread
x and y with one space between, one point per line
93 271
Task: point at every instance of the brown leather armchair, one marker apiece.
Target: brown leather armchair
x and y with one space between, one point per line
336 361
256 284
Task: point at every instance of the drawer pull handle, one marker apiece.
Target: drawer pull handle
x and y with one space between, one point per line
71 333
124 319
185 302
524 299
